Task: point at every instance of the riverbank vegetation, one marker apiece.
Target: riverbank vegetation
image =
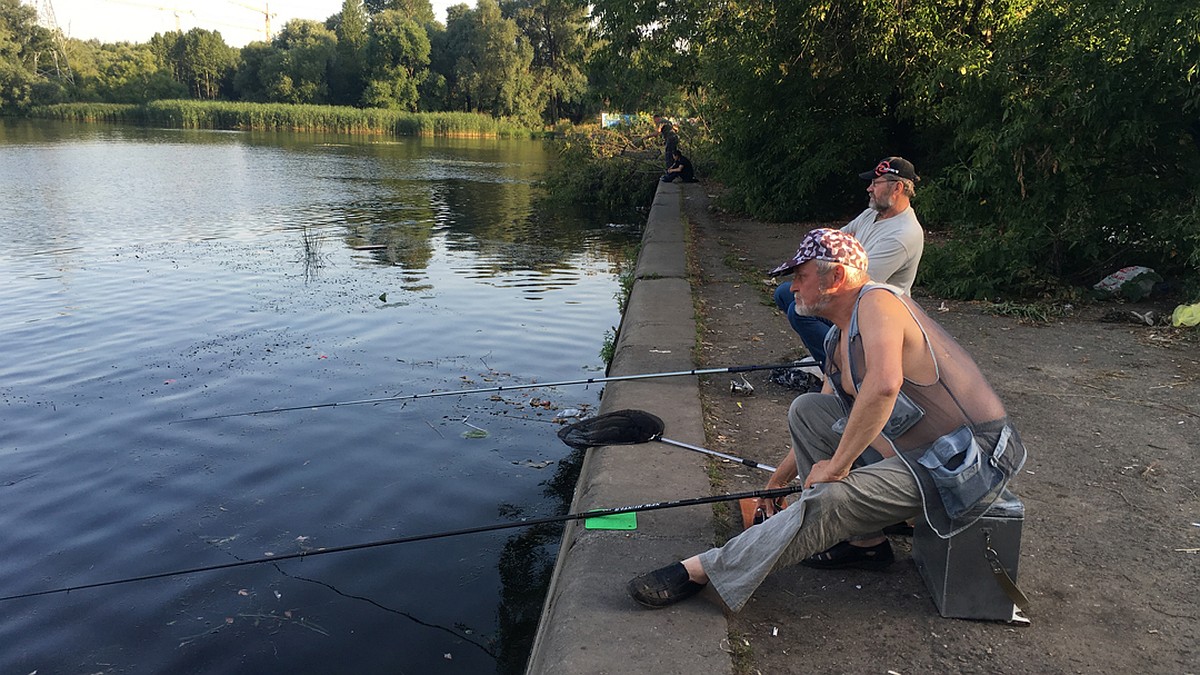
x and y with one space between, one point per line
1057 139
606 169
185 114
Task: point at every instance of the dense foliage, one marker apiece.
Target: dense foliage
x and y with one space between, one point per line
604 169
1056 138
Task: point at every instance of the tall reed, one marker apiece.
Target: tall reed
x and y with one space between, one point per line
182 114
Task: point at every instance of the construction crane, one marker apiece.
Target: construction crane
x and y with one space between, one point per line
174 10
265 10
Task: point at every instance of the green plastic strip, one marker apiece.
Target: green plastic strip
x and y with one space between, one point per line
617 521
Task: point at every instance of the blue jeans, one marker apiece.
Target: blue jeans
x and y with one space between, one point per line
811 329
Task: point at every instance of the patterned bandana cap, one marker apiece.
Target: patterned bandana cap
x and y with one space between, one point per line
825 244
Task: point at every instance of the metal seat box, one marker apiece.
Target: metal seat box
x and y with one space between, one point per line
957 570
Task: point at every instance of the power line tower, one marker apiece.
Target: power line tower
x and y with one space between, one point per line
62 69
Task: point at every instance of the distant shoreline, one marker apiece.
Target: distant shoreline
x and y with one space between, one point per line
228 115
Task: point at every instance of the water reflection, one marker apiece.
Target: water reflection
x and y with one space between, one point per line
156 275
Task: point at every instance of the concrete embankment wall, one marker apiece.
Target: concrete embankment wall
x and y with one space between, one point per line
589 624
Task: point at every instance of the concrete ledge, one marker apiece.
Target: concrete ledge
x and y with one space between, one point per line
589 624
660 259
662 254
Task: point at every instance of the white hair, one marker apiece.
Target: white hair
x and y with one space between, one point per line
854 276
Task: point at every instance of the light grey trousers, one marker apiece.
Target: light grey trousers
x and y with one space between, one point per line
869 499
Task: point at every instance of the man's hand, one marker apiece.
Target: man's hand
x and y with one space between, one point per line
824 471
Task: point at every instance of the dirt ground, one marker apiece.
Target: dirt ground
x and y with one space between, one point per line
1110 553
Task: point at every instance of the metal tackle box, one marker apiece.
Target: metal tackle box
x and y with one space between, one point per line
973 574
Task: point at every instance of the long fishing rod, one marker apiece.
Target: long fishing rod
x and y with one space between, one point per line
598 513
460 392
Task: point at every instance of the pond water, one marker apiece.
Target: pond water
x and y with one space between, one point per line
155 276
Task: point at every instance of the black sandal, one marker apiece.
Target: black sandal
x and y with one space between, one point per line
664 586
845 555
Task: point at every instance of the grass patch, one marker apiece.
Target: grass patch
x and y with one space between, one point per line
626 277
1031 312
608 349
741 654
627 274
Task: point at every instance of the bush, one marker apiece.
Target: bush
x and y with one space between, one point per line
1072 151
602 168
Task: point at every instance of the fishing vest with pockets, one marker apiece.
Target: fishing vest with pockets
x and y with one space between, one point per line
953 434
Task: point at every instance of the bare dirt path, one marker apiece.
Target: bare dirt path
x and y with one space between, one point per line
1111 416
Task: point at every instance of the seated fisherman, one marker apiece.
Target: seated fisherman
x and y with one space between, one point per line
895 382
889 231
681 167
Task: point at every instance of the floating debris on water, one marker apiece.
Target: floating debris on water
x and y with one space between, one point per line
534 465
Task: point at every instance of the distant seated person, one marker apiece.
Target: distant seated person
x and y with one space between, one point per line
681 167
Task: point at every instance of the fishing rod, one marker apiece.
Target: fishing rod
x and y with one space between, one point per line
631 427
598 513
460 392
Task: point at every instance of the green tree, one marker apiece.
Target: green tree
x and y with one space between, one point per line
297 69
435 90
248 83
1070 147
647 51
558 32
26 50
124 73
1057 138
491 64
399 61
420 11
349 66
198 59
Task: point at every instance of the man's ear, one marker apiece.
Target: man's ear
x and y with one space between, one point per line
837 277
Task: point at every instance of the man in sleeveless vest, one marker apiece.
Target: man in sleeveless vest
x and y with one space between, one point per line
898 390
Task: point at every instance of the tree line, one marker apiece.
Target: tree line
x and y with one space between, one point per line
1058 140
521 59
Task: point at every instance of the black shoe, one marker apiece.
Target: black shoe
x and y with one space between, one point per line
663 587
846 555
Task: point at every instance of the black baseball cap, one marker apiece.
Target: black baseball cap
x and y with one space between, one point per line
892 166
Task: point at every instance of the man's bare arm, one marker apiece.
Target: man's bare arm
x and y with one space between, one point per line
882 321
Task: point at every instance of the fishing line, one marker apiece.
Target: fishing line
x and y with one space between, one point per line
456 634
461 392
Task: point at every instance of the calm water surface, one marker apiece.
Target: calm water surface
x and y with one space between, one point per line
151 276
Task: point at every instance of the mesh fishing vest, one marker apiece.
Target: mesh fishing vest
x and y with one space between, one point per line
952 433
